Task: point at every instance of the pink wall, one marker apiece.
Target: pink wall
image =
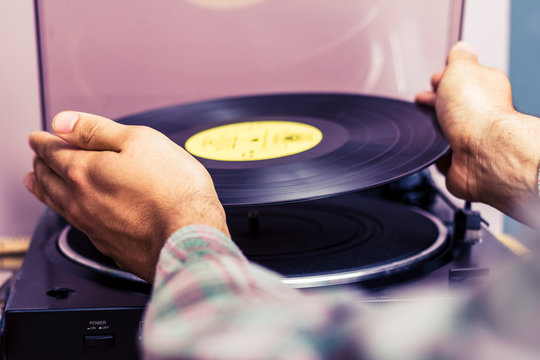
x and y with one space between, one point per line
19 115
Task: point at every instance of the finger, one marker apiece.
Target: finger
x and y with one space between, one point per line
50 184
90 132
33 186
53 151
462 51
435 80
426 98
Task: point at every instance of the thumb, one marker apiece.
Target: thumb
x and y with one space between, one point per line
89 132
462 51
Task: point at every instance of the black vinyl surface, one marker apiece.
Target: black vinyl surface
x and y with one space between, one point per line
367 141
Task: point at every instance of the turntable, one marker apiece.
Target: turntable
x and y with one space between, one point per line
383 235
324 185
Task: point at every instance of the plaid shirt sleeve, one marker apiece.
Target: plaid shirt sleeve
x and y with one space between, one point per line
210 302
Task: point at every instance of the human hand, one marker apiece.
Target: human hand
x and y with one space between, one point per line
127 187
495 149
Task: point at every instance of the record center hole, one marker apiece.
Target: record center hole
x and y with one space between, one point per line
60 293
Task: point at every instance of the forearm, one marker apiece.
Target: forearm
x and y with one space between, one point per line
508 156
209 302
206 292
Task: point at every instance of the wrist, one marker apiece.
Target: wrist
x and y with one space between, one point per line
199 209
510 148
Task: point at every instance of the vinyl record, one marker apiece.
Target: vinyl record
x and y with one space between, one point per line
291 147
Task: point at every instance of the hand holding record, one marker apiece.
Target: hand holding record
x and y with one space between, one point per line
496 150
127 187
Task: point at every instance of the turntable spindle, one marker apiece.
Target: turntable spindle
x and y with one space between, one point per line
253 219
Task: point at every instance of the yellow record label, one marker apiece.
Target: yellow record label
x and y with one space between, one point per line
254 140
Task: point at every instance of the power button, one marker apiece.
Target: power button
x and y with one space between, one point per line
98 340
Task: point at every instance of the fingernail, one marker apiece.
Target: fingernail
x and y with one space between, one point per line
65 122
465 46
29 182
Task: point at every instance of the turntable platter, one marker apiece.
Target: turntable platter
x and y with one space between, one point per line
332 241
